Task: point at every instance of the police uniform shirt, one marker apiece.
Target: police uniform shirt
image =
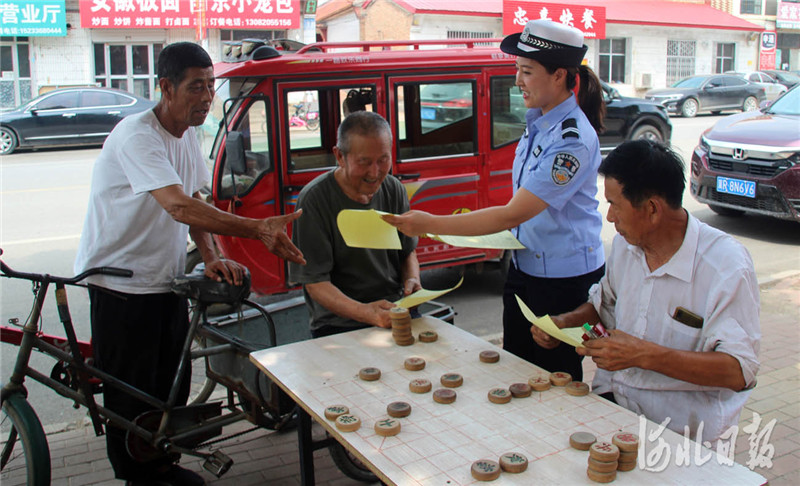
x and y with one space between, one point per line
557 160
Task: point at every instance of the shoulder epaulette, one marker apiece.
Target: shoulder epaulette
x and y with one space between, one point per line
569 128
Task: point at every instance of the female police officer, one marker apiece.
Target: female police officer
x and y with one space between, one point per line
554 208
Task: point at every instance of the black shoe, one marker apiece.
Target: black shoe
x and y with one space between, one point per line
178 476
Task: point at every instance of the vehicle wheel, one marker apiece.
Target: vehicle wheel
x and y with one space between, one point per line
350 465
647 132
8 141
723 211
193 259
25 450
312 124
689 108
750 104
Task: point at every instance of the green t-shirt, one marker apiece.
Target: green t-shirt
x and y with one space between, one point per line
362 274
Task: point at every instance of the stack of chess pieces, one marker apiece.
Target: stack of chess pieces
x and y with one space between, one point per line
401 326
606 458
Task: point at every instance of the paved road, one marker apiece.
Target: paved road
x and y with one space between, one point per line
43 198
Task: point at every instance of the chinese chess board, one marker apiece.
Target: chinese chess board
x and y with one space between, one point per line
439 442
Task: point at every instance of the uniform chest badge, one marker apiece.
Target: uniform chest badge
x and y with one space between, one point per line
565 166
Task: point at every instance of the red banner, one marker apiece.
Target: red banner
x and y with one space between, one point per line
766 51
190 14
591 20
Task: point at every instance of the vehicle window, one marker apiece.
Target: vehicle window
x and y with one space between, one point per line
314 117
253 126
59 101
766 78
788 104
435 119
754 77
98 98
734 81
693 82
508 111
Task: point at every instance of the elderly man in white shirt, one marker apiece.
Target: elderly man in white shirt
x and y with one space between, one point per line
680 300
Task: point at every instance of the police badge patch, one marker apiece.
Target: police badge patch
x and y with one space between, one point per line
565 166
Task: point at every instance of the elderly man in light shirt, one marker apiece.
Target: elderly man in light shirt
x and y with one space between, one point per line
680 300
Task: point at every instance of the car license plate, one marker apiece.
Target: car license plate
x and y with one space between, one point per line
428 113
737 187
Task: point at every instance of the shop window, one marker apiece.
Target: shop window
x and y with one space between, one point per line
611 57
253 130
435 119
508 111
725 59
680 60
751 7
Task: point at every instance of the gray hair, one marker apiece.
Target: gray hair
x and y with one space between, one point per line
361 123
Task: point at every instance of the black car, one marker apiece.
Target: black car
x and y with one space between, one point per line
630 118
72 116
786 78
711 92
626 118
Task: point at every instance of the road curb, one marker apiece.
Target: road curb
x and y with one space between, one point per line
776 277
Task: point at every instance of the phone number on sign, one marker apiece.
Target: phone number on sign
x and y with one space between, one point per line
32 30
268 22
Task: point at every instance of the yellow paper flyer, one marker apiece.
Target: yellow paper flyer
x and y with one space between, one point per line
366 229
570 335
422 296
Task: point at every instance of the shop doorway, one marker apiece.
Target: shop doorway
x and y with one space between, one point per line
129 67
16 87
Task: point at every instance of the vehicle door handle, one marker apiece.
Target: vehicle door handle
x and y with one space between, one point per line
68 115
406 177
114 112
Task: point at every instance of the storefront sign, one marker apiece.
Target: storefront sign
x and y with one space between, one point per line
33 18
591 20
766 58
788 15
197 14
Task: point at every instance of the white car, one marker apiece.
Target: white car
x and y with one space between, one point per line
772 88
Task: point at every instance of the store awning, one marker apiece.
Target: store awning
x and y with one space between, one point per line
672 14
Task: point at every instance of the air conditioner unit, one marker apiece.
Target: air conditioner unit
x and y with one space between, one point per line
644 80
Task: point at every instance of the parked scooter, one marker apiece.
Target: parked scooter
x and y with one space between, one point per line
304 118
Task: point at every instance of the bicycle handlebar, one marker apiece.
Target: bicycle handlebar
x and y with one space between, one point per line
36 277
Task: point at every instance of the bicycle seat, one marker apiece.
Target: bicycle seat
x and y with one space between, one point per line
201 288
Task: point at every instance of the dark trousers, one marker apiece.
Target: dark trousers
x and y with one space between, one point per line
543 296
137 338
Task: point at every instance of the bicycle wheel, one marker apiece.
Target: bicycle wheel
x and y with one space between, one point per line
25 457
202 386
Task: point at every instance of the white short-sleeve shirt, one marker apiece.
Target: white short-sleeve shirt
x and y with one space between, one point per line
125 226
711 275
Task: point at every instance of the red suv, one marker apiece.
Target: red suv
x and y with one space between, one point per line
751 162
